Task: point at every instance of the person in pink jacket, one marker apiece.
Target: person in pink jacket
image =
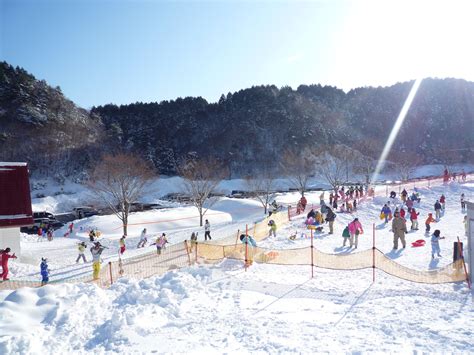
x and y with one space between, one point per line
4 259
355 228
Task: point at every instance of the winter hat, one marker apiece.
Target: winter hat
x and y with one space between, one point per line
437 232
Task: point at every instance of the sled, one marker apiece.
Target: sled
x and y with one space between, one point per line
418 243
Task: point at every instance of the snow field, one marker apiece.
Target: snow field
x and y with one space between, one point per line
223 309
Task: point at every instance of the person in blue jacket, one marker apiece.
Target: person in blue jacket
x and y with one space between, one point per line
387 212
44 271
247 239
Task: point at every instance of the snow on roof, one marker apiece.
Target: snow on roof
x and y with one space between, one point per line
4 163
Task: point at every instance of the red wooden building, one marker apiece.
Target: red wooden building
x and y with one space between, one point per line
15 203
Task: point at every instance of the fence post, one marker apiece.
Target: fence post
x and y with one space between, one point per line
110 272
289 216
373 253
196 252
246 246
237 239
312 264
463 263
187 252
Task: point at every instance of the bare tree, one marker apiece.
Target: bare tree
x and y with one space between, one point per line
120 180
332 165
299 167
365 163
201 178
262 188
405 164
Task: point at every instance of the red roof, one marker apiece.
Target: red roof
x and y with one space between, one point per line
15 199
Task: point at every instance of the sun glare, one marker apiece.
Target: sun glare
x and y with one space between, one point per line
384 42
396 129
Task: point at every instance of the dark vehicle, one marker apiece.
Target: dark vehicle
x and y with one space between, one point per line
42 222
177 197
43 215
84 212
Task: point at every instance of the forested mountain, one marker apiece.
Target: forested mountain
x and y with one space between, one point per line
247 130
40 126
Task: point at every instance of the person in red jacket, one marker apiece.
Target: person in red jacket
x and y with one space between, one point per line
442 200
429 220
414 219
4 259
303 202
402 213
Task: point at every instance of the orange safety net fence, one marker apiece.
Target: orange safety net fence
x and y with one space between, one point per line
352 261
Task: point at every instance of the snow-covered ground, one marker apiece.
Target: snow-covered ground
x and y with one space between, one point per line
224 309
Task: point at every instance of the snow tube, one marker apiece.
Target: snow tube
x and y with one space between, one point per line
418 243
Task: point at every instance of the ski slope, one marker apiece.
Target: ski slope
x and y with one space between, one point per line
224 309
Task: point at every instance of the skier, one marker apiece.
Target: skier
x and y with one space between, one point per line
250 243
437 208
386 213
40 234
429 220
71 228
399 229
92 235
414 219
463 203
273 228
194 237
44 270
355 228
330 217
311 214
143 239
442 200
303 202
122 245
207 230
404 195
81 247
247 239
273 208
435 243
4 258
345 235
96 252
402 212
49 234
160 243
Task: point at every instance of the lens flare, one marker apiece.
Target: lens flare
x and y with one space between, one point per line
396 128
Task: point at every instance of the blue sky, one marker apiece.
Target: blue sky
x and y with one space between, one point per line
120 52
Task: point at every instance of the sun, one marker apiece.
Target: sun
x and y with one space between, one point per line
384 42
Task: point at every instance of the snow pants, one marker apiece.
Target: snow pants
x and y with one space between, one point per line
437 214
354 240
4 274
331 227
207 234
397 236
414 224
96 269
81 255
435 249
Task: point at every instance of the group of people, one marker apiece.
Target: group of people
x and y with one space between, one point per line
45 231
452 176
